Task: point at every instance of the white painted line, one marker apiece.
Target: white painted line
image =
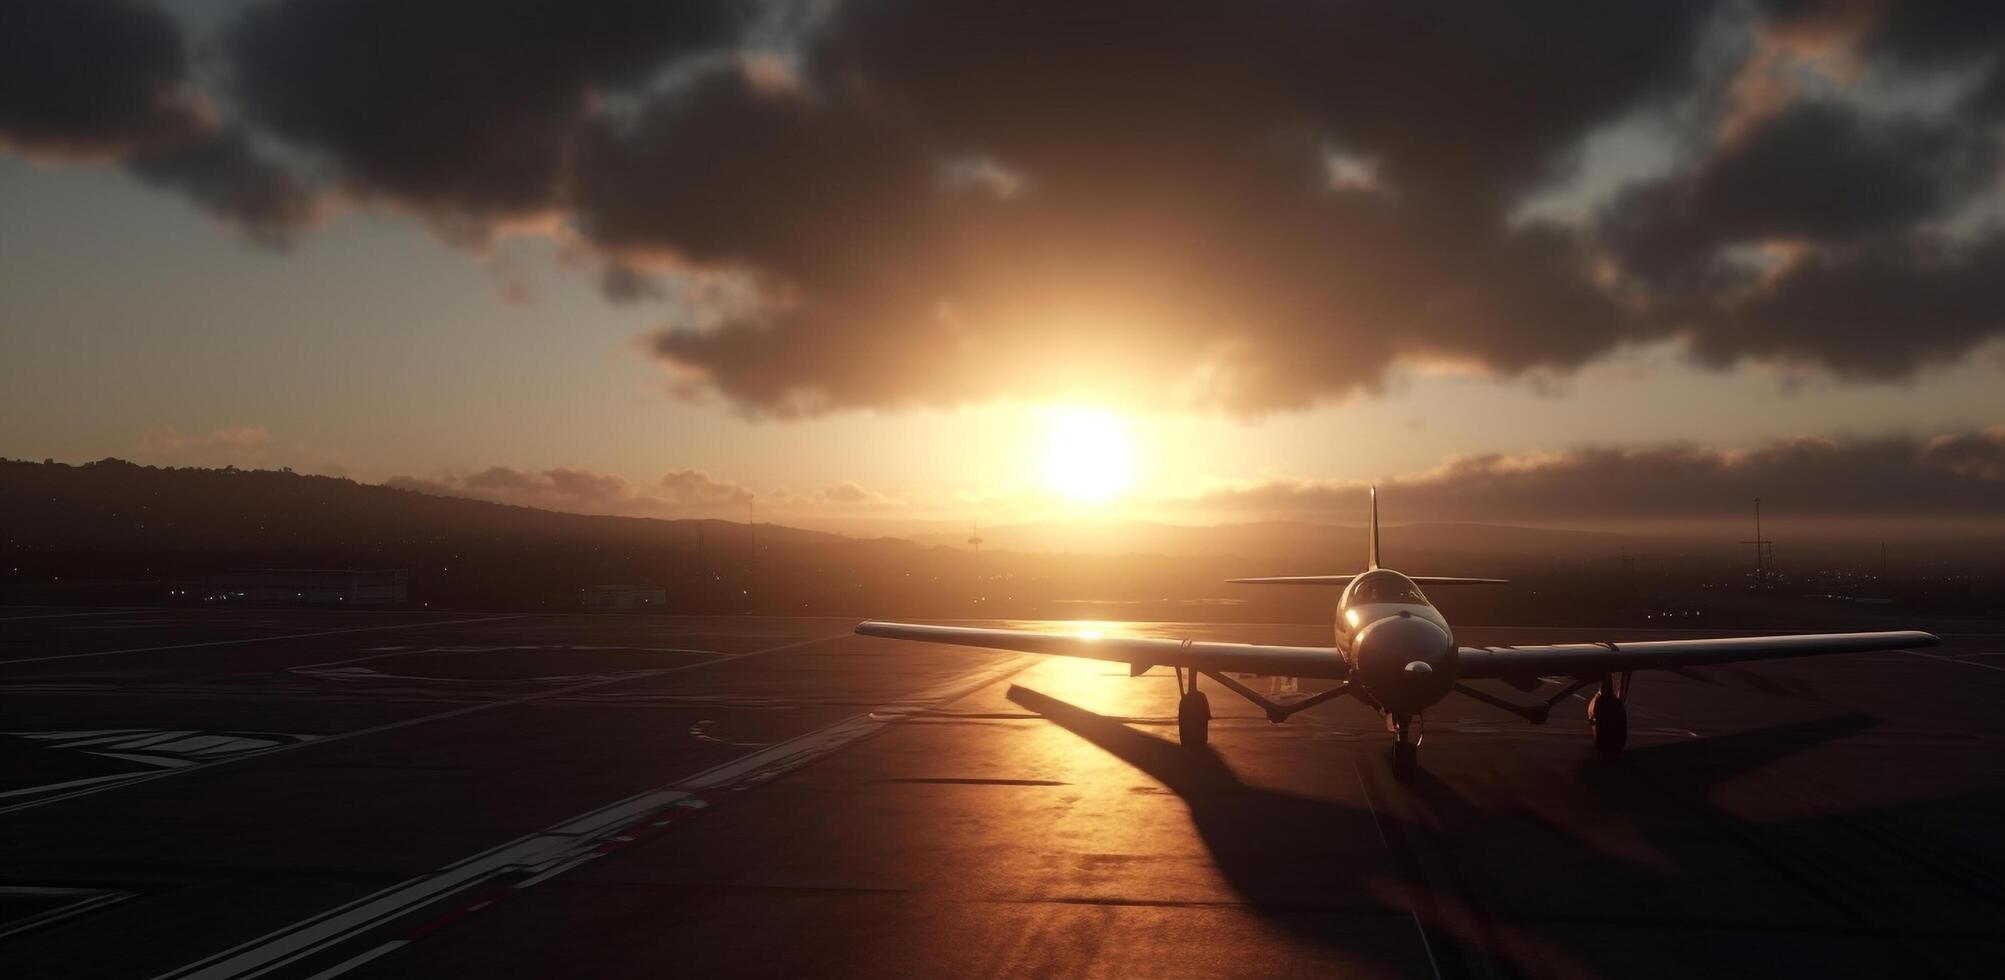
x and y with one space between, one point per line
1954 660
164 762
352 962
413 651
253 639
85 899
564 868
130 779
1385 842
556 849
323 740
121 612
86 781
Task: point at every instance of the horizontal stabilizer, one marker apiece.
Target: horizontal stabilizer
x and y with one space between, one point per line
1295 580
1346 580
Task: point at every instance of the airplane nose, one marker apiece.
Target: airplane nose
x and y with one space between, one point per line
1408 662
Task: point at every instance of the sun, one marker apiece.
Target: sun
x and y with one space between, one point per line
1088 455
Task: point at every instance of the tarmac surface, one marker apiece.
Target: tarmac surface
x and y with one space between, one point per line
253 792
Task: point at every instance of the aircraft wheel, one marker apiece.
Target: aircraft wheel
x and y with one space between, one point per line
1608 719
1193 720
1405 756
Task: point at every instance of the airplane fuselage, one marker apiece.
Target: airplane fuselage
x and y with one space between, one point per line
1400 648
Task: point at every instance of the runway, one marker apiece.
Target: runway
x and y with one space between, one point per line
290 793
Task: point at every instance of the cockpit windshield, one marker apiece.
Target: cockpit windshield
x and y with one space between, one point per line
1385 586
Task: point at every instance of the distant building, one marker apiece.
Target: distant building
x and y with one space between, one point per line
620 598
308 586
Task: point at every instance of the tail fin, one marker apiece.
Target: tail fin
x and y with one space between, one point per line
1371 541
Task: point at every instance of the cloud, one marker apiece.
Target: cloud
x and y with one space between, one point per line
561 488
91 77
844 498
1245 207
1174 234
464 108
222 173
105 80
695 488
679 493
229 440
1959 476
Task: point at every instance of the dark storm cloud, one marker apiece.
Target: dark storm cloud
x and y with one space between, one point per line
221 172
1959 476
1816 171
90 76
468 107
1176 235
1245 206
1878 312
625 284
106 79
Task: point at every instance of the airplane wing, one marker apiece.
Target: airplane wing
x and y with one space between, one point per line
1346 580
1599 659
1142 652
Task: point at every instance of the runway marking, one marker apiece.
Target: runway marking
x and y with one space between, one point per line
1386 842
107 784
253 639
535 858
415 651
121 612
81 900
1954 660
352 962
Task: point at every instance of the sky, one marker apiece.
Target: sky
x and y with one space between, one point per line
863 263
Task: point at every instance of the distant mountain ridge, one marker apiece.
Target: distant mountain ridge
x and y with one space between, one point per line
1335 544
115 503
112 532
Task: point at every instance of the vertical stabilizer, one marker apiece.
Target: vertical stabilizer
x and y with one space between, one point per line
1371 539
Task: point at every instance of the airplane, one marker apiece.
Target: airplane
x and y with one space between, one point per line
1395 653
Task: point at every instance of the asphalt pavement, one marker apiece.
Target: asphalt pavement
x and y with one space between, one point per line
296 793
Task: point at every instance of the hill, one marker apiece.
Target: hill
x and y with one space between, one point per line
112 532
114 521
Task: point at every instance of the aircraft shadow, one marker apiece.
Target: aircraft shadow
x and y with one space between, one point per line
1467 867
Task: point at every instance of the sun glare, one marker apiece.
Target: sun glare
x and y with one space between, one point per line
1088 456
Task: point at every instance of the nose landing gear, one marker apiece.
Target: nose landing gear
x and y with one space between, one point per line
1406 746
1193 712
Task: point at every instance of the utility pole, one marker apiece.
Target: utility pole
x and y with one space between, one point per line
975 542
1764 551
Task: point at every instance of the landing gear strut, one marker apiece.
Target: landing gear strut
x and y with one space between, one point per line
1608 714
1406 747
1193 712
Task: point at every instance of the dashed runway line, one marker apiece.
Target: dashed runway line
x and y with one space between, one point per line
1955 660
118 612
533 859
94 788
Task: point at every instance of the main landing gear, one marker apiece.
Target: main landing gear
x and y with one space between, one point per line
1608 714
1193 711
